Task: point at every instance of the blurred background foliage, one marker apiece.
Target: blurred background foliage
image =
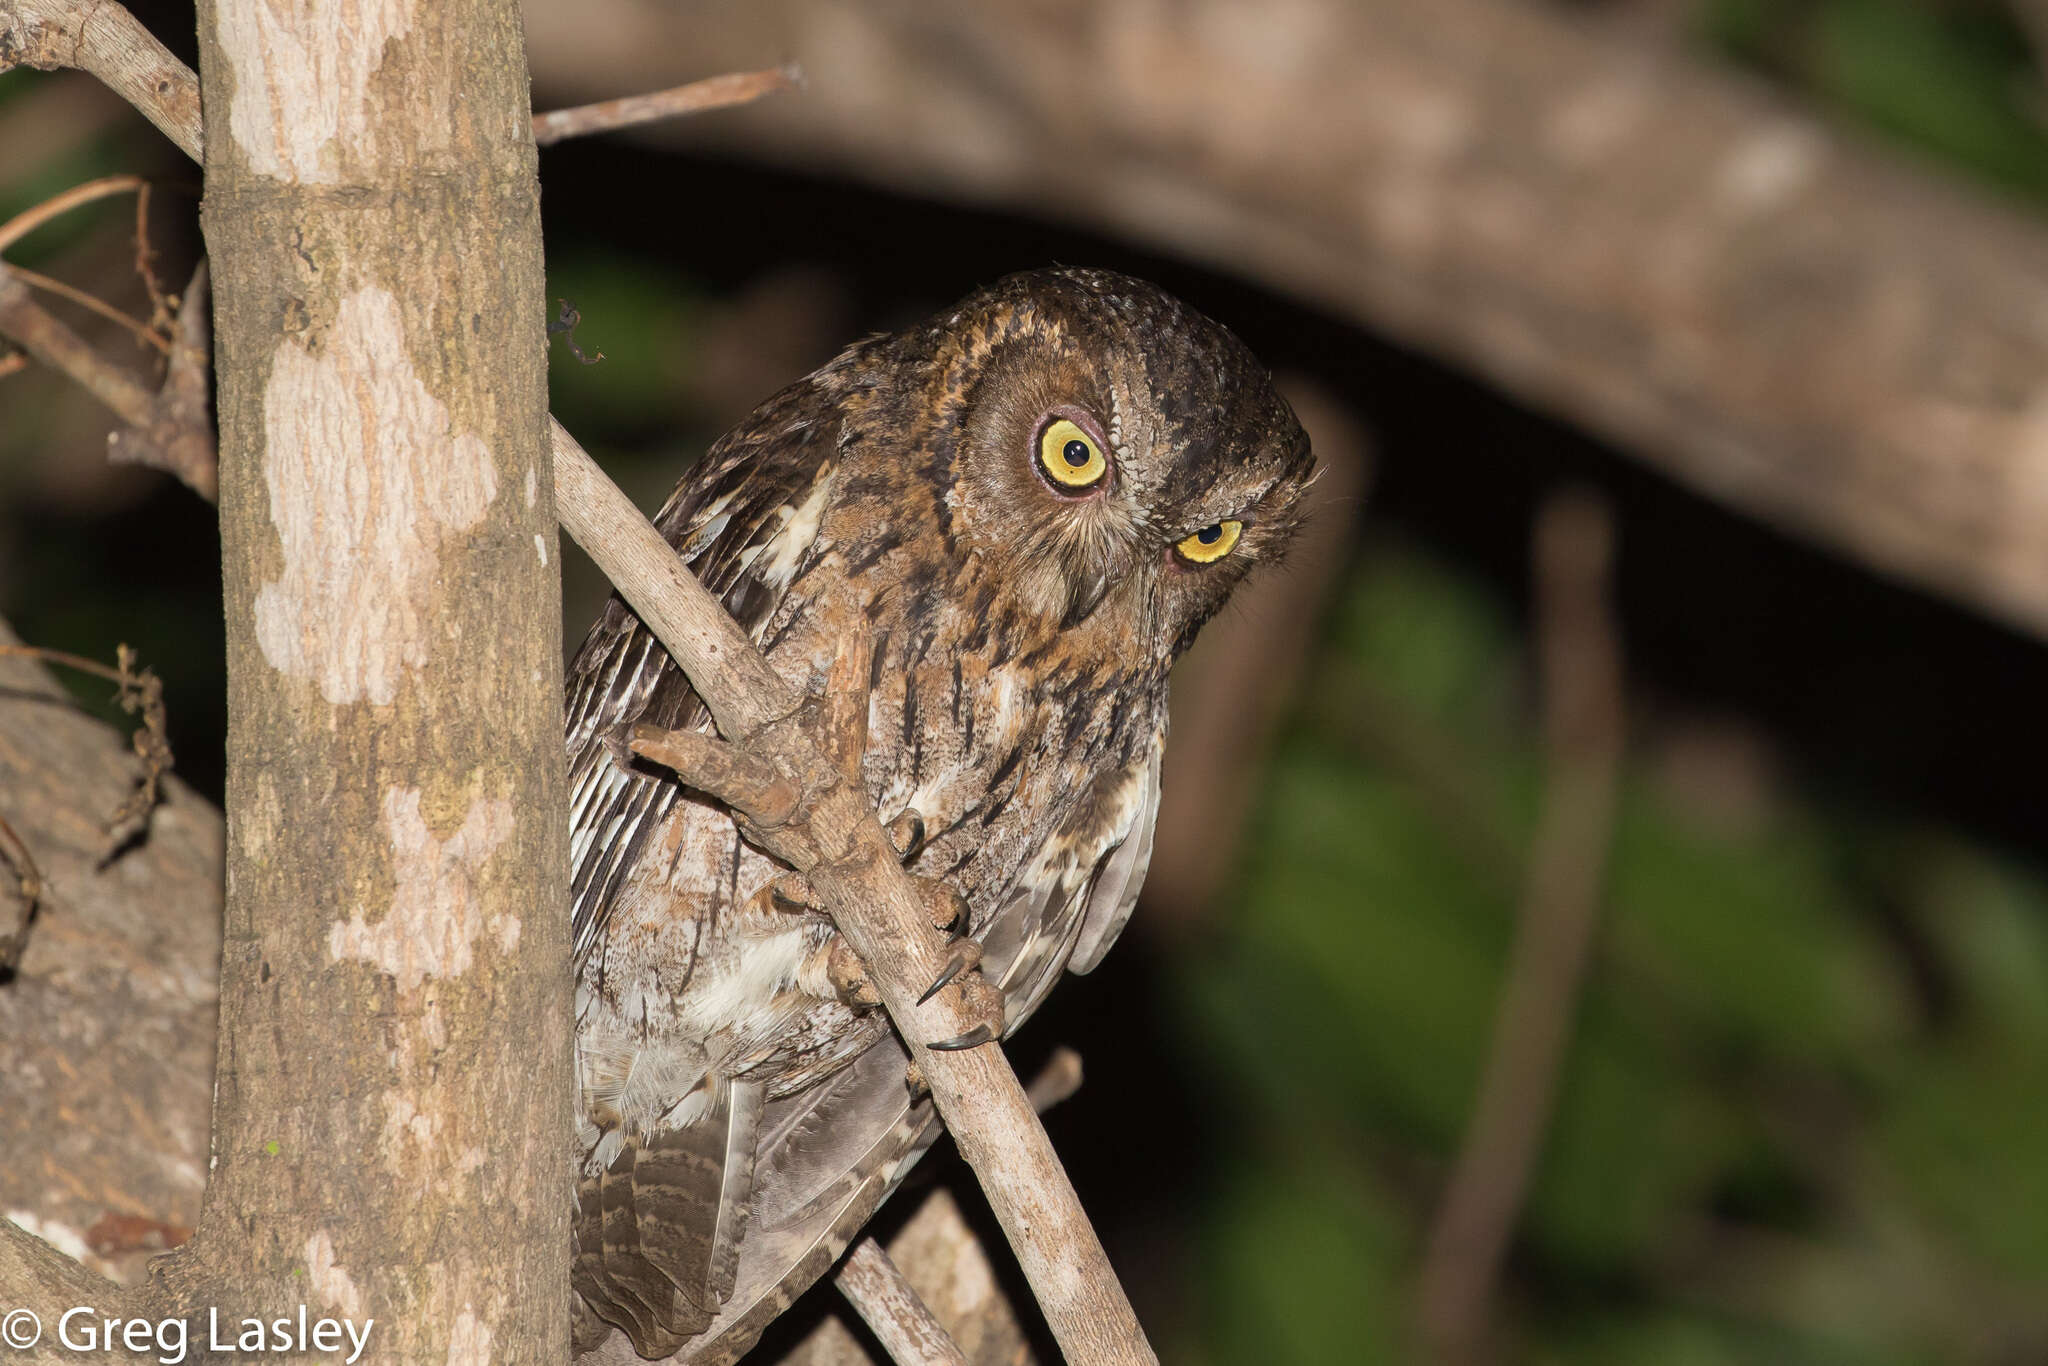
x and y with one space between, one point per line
1802 1116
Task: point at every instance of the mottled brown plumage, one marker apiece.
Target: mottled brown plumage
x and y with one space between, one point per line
1029 505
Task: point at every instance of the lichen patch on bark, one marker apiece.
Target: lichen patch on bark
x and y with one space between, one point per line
436 912
365 480
469 1342
331 1281
297 109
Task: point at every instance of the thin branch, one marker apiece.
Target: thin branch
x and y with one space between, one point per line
179 436
49 285
1583 722
44 336
141 691
170 429
839 846
717 92
892 1310
107 41
33 217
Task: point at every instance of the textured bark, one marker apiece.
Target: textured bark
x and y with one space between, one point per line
395 963
1759 306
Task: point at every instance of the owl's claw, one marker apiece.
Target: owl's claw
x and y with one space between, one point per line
964 954
849 977
792 889
906 833
949 909
973 1038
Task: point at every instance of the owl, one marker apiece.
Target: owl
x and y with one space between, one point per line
1025 508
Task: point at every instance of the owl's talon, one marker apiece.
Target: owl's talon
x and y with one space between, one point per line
949 909
965 953
849 977
973 1038
792 890
906 833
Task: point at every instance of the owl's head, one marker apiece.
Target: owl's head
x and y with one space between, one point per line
1122 460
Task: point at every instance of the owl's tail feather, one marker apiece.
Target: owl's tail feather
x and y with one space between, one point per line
658 1230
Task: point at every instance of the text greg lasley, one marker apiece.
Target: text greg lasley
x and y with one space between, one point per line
287 1335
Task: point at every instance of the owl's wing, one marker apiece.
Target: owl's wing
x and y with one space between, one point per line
746 522
1065 915
1114 894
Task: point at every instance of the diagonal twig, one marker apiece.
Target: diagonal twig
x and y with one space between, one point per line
1580 667
892 1310
33 217
715 92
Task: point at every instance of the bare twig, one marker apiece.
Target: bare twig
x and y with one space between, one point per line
93 303
160 304
878 1290
840 847
170 429
140 691
179 436
1057 1081
1582 695
892 1310
717 92
33 217
44 336
109 42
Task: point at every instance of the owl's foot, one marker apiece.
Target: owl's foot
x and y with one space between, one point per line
906 833
962 955
849 976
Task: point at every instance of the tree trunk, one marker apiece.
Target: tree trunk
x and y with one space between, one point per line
391 1112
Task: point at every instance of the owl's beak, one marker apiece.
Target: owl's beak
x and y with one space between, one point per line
1086 589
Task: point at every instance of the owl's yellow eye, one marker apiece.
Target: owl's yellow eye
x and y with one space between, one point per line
1211 543
1070 456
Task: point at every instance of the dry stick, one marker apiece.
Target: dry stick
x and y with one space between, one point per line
33 217
877 1288
92 302
840 848
716 92
114 46
1582 691
977 1094
179 435
169 429
35 330
107 41
895 1313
